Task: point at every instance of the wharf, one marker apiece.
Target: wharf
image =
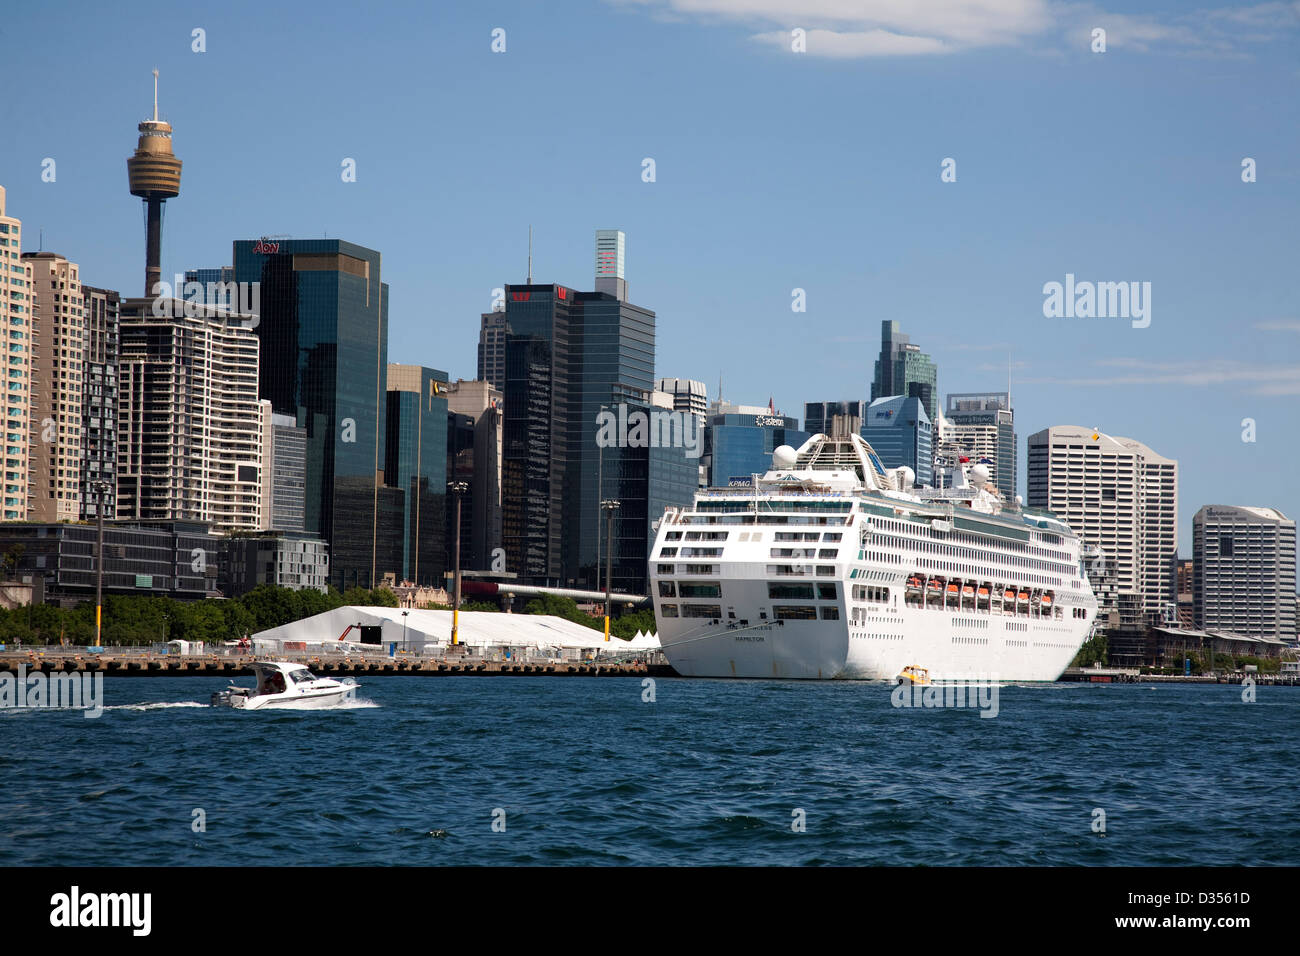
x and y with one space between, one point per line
172 665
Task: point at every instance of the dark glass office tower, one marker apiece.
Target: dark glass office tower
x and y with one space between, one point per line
324 343
417 464
534 446
568 355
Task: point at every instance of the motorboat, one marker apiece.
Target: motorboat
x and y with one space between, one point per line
914 674
285 685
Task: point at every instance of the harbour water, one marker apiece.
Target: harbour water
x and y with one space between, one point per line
587 771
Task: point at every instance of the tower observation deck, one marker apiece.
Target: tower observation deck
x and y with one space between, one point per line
155 176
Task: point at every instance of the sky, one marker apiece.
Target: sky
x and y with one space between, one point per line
776 169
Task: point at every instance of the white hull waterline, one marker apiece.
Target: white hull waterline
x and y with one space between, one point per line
832 567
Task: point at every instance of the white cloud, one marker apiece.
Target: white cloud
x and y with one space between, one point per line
850 46
844 29
1279 325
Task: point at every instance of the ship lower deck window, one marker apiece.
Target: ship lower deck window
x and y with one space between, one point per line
794 612
701 552
700 569
832 536
667 589
706 535
702 610
668 610
826 570
667 568
792 552
789 591
830 612
700 589
673 536
828 553
828 592
795 570
796 536
667 552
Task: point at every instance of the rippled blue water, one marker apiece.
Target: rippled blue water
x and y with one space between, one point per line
710 773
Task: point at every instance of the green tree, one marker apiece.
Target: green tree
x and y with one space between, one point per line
1093 651
628 624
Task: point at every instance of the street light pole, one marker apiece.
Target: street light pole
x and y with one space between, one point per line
610 505
458 488
404 644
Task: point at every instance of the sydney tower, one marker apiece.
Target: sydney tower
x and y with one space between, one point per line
155 176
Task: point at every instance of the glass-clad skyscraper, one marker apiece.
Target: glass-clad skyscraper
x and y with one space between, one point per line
900 432
324 343
741 446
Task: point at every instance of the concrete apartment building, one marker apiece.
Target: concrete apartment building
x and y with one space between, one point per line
16 328
58 327
1117 494
191 430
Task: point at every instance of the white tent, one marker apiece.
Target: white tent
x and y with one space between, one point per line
430 631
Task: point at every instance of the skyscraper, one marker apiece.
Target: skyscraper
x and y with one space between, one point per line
903 369
492 349
99 401
155 176
323 330
898 428
1244 571
738 446
686 395
58 330
983 425
16 327
1119 495
417 463
288 473
819 417
569 356
191 429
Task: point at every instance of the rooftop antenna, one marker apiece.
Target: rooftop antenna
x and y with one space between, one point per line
155 96
530 255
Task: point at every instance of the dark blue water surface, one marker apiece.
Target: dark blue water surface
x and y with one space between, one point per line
710 773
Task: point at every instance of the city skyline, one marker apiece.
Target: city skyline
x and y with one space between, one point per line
961 265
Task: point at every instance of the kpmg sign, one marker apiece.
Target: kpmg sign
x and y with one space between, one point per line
735 482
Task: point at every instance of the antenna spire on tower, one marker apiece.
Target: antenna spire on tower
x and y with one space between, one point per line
155 96
530 255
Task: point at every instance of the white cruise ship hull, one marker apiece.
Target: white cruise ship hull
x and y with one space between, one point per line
970 646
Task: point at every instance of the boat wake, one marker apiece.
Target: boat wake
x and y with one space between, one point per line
161 705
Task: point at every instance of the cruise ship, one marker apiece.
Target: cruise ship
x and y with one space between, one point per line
832 566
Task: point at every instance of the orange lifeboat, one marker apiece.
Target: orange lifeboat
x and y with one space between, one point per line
1022 596
1008 595
1047 600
